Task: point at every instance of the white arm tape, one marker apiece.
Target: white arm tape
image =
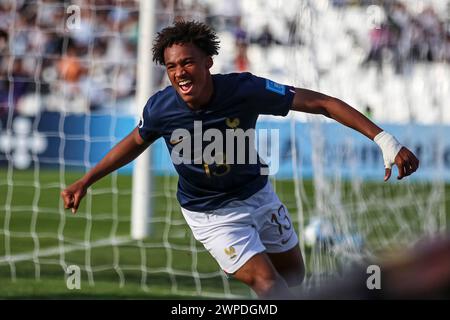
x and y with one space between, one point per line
389 147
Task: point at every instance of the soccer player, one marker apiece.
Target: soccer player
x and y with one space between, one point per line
230 207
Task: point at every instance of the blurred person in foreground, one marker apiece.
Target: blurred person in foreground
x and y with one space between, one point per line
229 205
422 272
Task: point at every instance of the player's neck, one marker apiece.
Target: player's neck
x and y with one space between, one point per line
205 98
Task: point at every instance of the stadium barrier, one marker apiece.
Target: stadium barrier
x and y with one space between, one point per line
80 141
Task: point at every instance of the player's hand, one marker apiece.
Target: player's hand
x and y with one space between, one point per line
406 162
73 194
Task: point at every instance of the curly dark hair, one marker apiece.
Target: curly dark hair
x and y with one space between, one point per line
181 32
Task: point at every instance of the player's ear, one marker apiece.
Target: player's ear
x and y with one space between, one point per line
209 62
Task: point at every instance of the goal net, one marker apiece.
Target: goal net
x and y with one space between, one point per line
68 79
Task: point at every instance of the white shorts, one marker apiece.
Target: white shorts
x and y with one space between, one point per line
240 230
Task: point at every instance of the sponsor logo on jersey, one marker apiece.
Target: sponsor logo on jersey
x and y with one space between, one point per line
177 141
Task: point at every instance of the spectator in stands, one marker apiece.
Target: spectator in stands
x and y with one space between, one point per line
241 62
400 20
446 50
3 45
14 85
266 38
419 47
70 68
240 34
379 41
368 112
106 45
409 37
433 32
227 14
4 84
294 36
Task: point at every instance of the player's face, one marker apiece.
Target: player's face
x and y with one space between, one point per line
188 70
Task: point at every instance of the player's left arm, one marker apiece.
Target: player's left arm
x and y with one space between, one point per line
393 152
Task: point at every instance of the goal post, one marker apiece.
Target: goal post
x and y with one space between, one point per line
141 206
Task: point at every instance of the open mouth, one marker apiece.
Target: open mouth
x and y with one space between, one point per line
185 86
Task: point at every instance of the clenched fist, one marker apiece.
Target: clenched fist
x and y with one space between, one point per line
73 194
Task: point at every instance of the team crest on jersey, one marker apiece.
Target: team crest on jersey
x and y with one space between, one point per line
230 252
232 123
275 87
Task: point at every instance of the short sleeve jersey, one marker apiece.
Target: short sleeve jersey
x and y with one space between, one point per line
237 101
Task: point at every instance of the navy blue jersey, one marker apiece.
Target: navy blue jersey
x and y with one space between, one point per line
237 101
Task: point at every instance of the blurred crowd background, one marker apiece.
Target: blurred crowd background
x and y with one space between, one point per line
45 65
422 36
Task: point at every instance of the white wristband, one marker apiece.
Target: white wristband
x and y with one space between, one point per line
389 147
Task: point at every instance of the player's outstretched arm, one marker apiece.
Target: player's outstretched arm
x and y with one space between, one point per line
124 152
393 152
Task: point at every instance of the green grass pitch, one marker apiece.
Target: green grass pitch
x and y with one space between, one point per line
40 237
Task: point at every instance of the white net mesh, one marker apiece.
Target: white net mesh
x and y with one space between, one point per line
67 96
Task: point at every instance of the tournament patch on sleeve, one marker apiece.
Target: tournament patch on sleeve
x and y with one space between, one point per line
275 87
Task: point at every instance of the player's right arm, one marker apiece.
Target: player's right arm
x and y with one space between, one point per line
393 152
124 152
